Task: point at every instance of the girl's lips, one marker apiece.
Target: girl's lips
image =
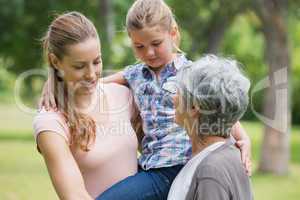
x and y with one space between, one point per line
152 59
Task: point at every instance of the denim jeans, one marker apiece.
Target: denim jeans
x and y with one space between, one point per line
152 184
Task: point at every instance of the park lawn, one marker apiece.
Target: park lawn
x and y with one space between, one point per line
23 174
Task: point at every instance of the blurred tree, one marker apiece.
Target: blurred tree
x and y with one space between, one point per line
106 29
22 24
206 22
275 147
207 27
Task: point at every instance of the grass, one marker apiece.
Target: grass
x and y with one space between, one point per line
270 187
23 174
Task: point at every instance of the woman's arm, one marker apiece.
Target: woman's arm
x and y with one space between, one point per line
63 170
243 142
115 78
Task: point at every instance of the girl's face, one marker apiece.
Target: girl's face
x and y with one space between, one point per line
153 46
81 66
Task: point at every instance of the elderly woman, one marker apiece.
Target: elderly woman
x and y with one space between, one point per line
211 97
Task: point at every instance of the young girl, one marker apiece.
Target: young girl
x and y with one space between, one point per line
165 146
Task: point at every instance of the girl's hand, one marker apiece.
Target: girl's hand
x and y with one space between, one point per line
47 98
245 147
115 78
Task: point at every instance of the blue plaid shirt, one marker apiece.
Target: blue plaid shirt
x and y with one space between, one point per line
165 143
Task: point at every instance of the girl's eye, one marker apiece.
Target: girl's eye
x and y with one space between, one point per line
139 46
156 43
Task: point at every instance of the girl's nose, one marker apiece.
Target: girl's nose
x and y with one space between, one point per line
150 52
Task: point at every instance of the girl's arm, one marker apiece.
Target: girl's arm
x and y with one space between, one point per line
48 101
115 78
47 98
137 124
63 170
243 142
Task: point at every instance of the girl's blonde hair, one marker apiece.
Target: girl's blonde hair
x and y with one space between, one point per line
150 13
69 29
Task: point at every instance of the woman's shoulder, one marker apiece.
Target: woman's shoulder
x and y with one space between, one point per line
114 89
48 115
53 121
119 97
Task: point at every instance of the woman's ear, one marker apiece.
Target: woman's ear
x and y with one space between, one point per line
194 112
54 61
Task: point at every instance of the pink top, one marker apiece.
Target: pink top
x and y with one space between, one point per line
113 156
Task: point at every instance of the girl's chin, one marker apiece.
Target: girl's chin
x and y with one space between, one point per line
155 65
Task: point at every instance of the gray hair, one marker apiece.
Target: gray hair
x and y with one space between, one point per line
217 87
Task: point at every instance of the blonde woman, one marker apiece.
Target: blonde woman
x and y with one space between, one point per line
88 143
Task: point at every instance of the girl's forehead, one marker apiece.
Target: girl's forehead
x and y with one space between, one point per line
148 33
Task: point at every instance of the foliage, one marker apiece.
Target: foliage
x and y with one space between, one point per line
227 27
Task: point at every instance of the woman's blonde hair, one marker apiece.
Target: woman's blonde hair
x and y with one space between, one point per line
69 29
150 13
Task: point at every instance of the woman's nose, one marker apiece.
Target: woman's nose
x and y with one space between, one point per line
90 72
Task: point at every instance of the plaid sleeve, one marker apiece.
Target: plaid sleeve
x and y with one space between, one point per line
131 75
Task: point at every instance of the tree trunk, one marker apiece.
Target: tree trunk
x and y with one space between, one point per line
107 29
275 146
216 35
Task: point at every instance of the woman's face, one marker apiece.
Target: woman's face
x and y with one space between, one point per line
184 116
81 66
180 113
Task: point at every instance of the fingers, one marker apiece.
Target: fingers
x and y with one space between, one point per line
47 100
249 168
52 102
245 155
247 163
40 104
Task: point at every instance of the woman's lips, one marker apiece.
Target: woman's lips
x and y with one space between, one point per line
89 84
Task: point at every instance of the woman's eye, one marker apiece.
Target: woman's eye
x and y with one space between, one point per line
97 62
78 66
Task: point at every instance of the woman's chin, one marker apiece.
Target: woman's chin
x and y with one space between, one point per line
86 90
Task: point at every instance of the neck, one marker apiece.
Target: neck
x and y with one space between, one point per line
84 101
157 70
199 144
